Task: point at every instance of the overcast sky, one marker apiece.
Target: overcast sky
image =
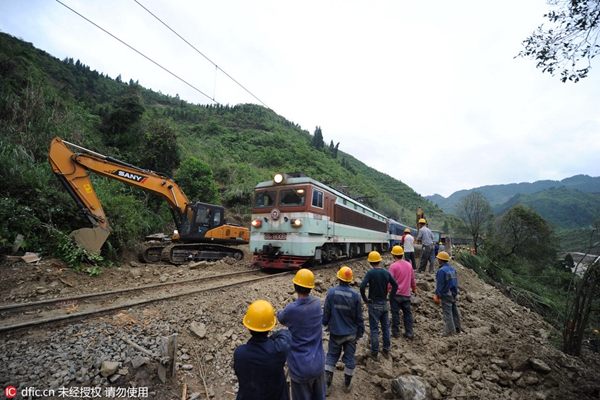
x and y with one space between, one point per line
428 92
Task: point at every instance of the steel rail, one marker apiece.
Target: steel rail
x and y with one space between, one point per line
127 304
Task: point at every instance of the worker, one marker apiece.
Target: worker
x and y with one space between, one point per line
446 290
306 360
441 247
409 248
343 315
404 275
259 363
425 237
377 280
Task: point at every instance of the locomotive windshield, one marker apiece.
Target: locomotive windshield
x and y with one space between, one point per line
265 199
292 197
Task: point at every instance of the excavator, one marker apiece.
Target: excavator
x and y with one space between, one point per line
202 232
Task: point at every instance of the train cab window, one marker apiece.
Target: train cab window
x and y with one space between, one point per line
292 197
317 199
265 199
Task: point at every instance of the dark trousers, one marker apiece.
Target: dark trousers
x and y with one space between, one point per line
397 304
410 257
425 257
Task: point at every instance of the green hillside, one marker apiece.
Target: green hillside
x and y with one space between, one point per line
562 207
235 146
569 203
500 194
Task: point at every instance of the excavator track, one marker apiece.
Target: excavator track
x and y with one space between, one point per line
181 253
152 253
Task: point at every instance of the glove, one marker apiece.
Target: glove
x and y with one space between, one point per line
436 299
415 291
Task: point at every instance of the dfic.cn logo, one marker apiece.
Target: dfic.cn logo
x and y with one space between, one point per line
10 392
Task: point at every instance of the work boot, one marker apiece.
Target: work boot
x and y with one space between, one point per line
372 355
328 380
385 353
347 383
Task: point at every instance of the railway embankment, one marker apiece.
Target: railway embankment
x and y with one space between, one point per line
505 351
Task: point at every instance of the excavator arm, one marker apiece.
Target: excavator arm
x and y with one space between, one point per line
72 170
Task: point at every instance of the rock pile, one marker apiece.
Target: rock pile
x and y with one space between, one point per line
504 351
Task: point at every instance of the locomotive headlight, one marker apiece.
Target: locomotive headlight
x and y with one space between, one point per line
296 222
256 223
278 178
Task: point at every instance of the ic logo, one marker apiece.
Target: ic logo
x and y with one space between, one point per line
10 392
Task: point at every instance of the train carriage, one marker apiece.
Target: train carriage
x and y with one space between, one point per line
299 222
396 231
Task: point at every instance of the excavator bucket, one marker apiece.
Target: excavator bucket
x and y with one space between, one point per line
91 239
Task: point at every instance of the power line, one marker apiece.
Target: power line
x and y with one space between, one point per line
140 53
199 52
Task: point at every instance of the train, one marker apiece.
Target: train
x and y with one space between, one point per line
298 222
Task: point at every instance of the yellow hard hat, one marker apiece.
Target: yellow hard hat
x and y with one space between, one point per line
397 250
374 257
407 230
305 278
440 243
345 274
422 221
260 316
596 331
442 255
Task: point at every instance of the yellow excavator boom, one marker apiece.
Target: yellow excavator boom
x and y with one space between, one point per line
72 170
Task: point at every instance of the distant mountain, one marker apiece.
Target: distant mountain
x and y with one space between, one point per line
500 194
562 207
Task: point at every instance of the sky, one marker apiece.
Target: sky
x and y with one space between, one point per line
429 93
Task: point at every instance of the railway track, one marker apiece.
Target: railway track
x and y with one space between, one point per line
67 309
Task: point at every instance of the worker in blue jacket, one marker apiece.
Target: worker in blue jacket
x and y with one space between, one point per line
306 361
259 363
343 315
446 290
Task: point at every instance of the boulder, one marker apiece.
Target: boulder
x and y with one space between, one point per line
108 368
412 387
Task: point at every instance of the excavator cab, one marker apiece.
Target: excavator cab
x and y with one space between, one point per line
199 219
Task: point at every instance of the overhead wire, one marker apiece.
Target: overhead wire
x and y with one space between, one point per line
199 52
139 52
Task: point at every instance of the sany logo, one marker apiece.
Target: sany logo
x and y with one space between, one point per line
10 392
129 175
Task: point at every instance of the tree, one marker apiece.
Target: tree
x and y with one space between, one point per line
569 44
475 211
582 302
317 140
196 179
121 125
159 151
521 232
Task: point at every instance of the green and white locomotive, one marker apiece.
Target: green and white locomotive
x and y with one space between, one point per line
299 222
